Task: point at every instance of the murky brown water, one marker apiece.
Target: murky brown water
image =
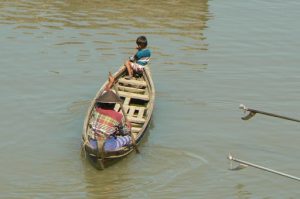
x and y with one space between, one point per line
208 57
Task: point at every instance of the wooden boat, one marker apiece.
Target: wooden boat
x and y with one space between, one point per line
137 95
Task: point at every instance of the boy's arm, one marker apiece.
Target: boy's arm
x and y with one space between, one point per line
133 57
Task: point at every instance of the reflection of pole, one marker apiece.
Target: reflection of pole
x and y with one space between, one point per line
230 157
252 112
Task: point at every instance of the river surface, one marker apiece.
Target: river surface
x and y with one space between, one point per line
208 58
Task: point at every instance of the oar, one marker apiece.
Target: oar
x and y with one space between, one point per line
101 153
230 157
252 112
125 116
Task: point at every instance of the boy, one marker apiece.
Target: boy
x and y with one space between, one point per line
137 62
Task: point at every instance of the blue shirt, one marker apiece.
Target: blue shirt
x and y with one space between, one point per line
142 57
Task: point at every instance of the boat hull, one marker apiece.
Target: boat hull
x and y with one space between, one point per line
138 95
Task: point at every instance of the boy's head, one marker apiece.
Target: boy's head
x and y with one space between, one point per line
141 41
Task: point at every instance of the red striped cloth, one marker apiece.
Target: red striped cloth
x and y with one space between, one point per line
107 121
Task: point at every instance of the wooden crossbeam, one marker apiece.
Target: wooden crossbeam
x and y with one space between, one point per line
136 120
131 111
131 89
132 82
135 129
127 100
117 107
133 95
141 112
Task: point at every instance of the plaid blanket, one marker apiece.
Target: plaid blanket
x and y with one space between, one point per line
107 125
104 124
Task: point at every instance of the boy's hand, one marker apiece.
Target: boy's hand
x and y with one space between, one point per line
131 58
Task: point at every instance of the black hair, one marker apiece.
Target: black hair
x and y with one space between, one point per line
105 105
142 41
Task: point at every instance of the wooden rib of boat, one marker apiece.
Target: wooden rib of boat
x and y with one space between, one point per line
138 95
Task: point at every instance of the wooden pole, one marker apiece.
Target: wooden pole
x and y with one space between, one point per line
252 112
230 157
126 120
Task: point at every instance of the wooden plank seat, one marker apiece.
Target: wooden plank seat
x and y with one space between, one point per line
135 129
131 89
144 97
136 124
138 83
136 120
